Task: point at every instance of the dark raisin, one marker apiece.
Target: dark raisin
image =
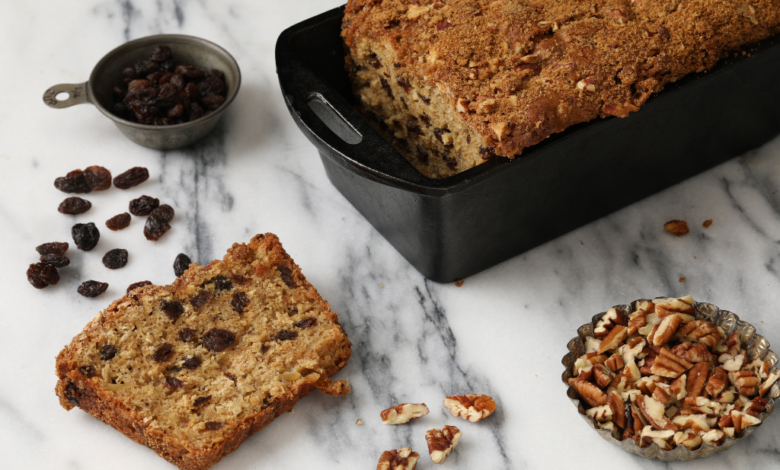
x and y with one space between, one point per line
118 222
215 73
154 228
128 73
164 213
164 353
172 309
200 299
404 83
115 259
221 283
422 154
73 182
196 111
92 288
108 352
145 67
119 109
386 87
190 71
285 335
87 371
57 261
55 248
239 302
192 363
487 153
231 376
188 335
413 128
374 61
214 425
286 275
181 264
41 275
425 119
218 340
201 401
132 177
70 393
74 205
85 236
424 99
137 285
211 85
212 101
144 205
176 111
161 53
172 383
239 279
305 323
168 95
264 348
98 178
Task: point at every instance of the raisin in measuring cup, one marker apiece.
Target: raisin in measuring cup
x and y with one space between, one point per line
185 50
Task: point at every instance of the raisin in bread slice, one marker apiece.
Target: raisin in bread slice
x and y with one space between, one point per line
192 369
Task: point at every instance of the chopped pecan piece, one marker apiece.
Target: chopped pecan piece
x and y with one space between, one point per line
403 413
442 442
697 379
403 459
473 407
592 395
610 319
615 338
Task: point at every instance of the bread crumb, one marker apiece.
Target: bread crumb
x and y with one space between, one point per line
707 223
682 278
459 283
677 227
359 422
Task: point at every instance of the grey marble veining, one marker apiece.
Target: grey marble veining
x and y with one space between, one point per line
503 332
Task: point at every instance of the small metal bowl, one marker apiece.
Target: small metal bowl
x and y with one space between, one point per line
108 73
756 346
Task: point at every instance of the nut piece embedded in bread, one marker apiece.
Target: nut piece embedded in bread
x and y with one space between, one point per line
442 442
472 407
403 413
181 370
403 459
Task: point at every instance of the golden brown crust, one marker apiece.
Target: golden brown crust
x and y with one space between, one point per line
262 262
515 72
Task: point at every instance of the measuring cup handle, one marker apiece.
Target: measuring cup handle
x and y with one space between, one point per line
77 94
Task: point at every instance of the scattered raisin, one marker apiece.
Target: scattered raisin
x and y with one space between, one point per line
172 383
164 353
285 335
374 61
92 288
57 261
41 275
239 279
115 259
221 283
181 264
70 393
172 309
87 371
132 177
201 401
192 363
386 87
200 299
155 228
85 236
108 352
118 222
231 376
55 248
306 322
264 348
164 213
73 182
137 285
144 205
98 178
74 205
214 425
286 272
218 340
188 335
239 302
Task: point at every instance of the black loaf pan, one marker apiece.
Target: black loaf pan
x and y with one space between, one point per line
452 228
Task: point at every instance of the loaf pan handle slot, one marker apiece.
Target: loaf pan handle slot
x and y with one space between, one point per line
333 119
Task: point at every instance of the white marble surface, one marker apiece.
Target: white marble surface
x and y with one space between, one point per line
502 333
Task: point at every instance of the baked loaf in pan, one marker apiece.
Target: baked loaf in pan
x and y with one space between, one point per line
192 369
453 83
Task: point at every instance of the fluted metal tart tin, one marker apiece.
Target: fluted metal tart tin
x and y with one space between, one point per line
451 228
108 73
757 347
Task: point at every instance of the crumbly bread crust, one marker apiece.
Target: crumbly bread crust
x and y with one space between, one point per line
502 75
173 378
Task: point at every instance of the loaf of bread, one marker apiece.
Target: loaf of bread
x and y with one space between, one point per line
193 369
453 83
